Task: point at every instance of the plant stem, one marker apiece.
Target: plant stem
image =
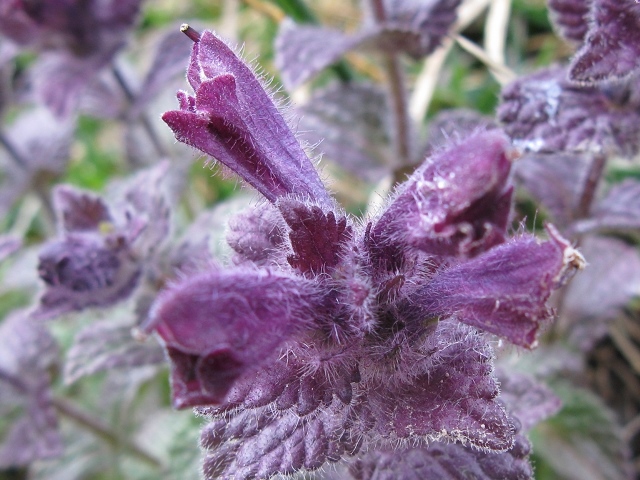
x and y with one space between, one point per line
13 153
590 185
398 98
96 427
144 120
40 189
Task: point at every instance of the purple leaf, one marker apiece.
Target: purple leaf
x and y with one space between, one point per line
570 18
318 239
167 65
596 297
544 112
27 353
456 203
504 290
233 119
455 124
104 346
618 210
430 20
255 444
556 181
257 236
218 326
303 51
527 399
442 390
445 461
349 123
611 48
79 211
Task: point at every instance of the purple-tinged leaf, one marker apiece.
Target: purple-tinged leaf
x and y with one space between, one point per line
430 21
78 210
9 244
85 270
445 461
544 112
318 238
618 210
443 389
596 297
233 119
556 181
303 51
611 49
349 123
457 203
27 351
257 236
417 28
105 346
526 398
503 291
220 325
168 64
570 18
256 444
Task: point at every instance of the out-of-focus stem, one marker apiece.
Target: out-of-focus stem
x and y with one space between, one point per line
144 120
398 98
96 427
13 153
39 188
590 185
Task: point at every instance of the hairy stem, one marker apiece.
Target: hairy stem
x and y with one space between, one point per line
144 120
399 103
69 410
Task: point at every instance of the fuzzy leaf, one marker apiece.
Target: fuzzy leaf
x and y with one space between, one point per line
255 444
257 235
570 18
526 398
596 297
303 51
318 239
233 119
445 461
555 181
442 390
349 123
544 112
504 291
618 210
78 210
455 124
168 64
27 352
218 326
611 48
104 346
456 203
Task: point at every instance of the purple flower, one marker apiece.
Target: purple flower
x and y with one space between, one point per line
331 336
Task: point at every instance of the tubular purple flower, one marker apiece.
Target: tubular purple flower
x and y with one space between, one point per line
233 119
219 325
457 203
